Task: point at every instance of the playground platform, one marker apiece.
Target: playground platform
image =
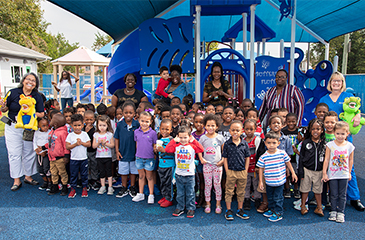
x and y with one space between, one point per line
31 214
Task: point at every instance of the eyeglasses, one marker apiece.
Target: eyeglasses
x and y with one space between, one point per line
337 81
280 77
31 80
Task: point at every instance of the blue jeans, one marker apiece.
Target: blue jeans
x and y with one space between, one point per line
338 194
275 198
69 101
77 166
185 192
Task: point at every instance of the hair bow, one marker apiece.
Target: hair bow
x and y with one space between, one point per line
149 110
200 111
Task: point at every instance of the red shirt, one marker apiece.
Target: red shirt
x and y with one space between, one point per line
252 148
162 84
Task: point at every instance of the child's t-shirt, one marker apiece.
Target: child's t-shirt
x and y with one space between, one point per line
338 167
125 134
40 139
69 128
174 131
253 145
329 137
274 165
162 84
103 151
212 148
224 131
166 160
285 144
78 152
145 141
293 137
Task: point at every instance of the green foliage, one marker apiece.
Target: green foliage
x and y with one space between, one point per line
100 41
21 22
356 57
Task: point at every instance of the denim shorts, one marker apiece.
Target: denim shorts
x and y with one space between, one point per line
145 163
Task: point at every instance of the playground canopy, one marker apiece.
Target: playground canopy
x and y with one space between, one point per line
82 56
324 19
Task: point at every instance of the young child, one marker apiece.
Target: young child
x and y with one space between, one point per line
227 116
89 119
236 158
185 147
175 101
240 116
165 112
321 110
210 109
175 116
90 107
101 109
78 141
103 141
166 164
163 83
246 104
212 161
330 118
40 139
145 138
198 107
81 109
125 149
291 131
274 112
68 112
253 113
310 168
119 113
58 154
254 143
337 170
219 108
272 164
51 104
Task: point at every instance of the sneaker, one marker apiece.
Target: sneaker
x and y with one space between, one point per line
177 212
59 186
229 215
110 191
161 200
247 204
313 202
102 190
332 216
323 207
64 191
43 186
84 192
257 203
296 194
166 203
298 202
118 184
340 218
268 214
95 186
49 187
299 207
123 192
132 191
54 189
190 214
357 205
287 193
151 199
240 213
263 207
275 217
319 211
72 193
139 197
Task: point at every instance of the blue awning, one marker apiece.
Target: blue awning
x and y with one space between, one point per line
326 18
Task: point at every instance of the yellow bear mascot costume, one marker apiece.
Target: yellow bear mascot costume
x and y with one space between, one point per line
26 116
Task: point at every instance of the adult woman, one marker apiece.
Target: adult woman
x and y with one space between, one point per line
218 90
65 86
129 92
337 86
178 87
20 152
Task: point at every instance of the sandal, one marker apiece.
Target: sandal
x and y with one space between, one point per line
218 210
207 209
16 187
33 182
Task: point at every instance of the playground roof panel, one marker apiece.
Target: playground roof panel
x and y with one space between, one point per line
326 18
82 56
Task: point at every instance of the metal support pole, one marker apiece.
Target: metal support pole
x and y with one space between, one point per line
244 34
335 63
292 45
308 55
263 46
78 84
153 83
345 53
252 50
327 53
281 48
92 81
197 53
258 49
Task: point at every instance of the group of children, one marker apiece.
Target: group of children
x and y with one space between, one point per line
189 149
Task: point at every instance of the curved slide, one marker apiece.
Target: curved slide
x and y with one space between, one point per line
87 92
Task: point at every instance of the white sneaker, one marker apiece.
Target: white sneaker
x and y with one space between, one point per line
333 216
139 197
110 190
340 218
298 207
151 199
102 190
297 202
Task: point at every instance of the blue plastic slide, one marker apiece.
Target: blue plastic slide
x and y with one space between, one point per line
87 92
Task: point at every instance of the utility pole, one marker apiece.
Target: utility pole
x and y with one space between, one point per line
345 53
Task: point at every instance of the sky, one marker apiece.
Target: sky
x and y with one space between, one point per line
73 28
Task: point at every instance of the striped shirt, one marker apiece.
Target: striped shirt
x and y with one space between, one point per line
290 98
274 165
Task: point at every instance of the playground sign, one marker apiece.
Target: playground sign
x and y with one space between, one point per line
266 68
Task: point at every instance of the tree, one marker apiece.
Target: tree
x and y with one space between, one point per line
100 41
356 58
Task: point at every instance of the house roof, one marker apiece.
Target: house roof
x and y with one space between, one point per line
82 56
12 49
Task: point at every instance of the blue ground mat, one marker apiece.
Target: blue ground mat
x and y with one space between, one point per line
31 214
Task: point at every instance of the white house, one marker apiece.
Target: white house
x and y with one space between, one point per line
16 60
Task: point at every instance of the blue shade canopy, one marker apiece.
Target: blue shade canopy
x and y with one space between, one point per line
326 18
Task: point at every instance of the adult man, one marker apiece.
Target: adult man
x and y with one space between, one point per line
282 95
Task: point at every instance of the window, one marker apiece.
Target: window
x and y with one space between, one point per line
16 74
